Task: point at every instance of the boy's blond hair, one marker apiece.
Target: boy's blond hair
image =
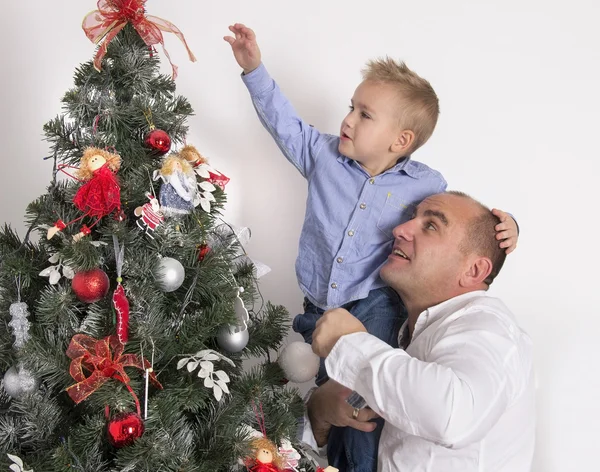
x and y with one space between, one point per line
418 107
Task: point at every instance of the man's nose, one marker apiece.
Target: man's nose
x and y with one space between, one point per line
404 230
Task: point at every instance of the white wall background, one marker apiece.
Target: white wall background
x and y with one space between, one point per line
518 82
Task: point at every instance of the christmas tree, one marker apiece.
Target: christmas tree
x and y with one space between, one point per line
126 323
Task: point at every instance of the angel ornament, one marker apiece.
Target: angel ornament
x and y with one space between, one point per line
100 193
178 191
207 176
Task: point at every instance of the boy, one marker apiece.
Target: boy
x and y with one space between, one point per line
362 184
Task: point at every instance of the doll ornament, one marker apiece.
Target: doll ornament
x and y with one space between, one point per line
178 190
265 458
100 193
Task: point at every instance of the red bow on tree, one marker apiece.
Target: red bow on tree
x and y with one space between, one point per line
104 358
112 16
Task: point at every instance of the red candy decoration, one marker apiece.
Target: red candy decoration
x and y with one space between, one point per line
159 141
91 285
124 429
203 250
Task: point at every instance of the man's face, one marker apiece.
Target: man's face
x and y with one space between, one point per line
371 126
426 260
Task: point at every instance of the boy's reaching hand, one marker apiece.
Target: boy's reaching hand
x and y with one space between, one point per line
244 46
506 231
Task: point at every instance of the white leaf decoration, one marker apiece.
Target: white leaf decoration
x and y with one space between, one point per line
209 382
205 204
202 171
182 362
218 393
207 186
55 277
222 375
209 196
211 356
15 468
203 373
207 365
223 385
192 365
54 258
68 272
203 353
47 271
16 459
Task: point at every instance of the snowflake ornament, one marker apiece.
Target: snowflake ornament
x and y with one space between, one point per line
215 380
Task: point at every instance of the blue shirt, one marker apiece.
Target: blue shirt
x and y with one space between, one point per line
347 231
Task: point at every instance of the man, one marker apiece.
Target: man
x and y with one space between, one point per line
459 393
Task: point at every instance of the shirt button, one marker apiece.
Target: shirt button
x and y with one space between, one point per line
333 285
371 181
351 232
340 260
363 206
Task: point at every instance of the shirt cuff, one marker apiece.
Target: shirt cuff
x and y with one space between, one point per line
258 81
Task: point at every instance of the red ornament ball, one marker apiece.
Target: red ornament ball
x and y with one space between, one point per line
124 429
90 285
159 141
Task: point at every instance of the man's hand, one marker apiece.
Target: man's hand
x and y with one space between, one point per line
327 407
332 326
506 230
244 47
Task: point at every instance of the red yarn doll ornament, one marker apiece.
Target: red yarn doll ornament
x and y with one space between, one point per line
100 193
266 457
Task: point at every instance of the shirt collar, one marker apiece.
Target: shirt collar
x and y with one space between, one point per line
427 317
404 164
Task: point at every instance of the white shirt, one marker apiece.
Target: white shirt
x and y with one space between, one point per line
459 398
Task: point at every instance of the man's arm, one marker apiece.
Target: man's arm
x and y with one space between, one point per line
453 399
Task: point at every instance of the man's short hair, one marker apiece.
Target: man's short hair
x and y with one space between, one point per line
419 106
480 237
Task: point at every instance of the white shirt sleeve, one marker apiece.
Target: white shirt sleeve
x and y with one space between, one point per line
453 397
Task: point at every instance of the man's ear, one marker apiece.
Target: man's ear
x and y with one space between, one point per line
403 142
478 269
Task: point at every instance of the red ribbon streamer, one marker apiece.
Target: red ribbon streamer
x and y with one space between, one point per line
122 308
104 358
102 25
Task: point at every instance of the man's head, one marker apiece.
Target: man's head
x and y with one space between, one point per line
448 248
393 112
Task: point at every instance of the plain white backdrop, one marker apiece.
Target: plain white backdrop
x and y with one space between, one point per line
518 85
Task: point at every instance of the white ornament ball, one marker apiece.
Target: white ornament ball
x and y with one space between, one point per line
233 338
170 274
299 362
19 382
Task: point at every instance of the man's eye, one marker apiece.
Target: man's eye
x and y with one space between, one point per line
365 115
430 226
351 108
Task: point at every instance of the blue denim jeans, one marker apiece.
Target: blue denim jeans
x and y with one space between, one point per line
382 313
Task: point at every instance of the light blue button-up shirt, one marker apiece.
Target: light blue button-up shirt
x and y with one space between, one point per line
347 231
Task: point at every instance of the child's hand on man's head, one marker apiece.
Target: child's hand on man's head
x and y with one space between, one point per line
244 46
507 231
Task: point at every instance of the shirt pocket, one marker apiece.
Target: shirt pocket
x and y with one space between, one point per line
396 210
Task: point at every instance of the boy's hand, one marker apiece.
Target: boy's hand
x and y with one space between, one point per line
244 47
506 230
331 327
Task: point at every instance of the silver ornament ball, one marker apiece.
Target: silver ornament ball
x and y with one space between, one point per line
233 338
19 381
170 274
299 362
